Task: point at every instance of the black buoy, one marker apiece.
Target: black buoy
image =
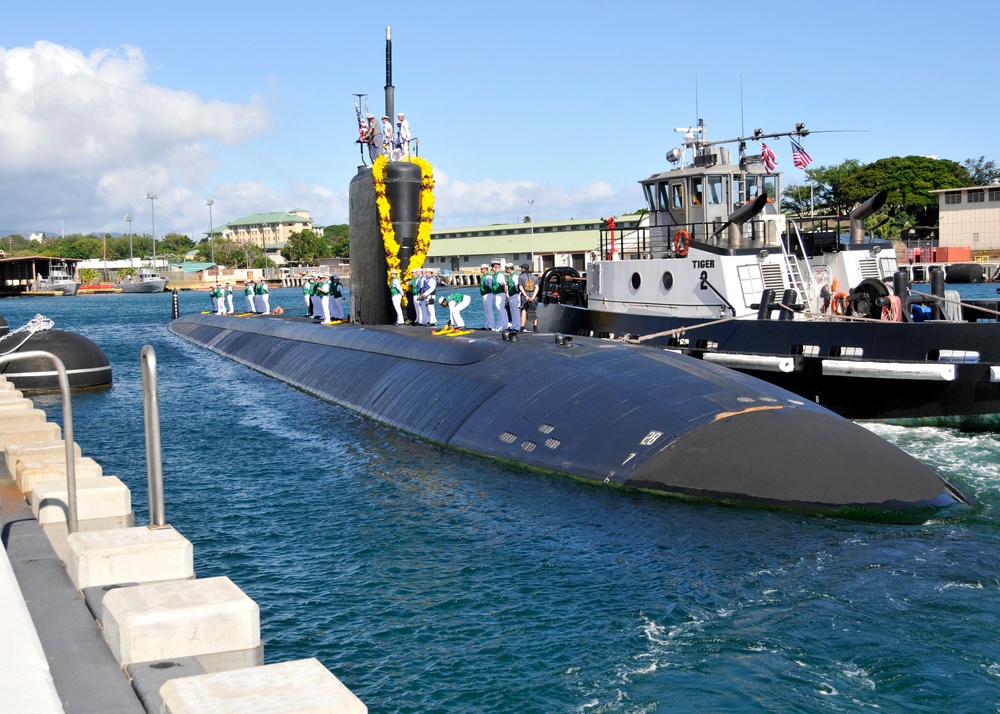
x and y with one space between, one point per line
86 364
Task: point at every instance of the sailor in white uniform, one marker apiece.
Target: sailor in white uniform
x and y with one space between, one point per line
430 287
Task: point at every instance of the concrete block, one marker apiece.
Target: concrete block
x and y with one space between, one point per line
30 434
14 404
139 555
183 618
29 472
96 498
38 451
15 417
299 686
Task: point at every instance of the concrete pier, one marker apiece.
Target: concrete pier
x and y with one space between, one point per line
111 618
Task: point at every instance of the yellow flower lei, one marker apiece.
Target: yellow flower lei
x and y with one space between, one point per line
423 242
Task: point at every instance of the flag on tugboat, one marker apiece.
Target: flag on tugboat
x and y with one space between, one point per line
799 156
767 157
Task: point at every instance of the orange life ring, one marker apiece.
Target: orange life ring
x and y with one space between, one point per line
682 250
839 303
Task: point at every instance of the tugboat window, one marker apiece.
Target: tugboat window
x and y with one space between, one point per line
737 191
636 281
650 199
771 186
667 280
677 195
696 191
715 190
664 203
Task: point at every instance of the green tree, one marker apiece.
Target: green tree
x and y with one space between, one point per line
175 245
981 171
828 193
89 276
340 240
306 247
909 181
796 199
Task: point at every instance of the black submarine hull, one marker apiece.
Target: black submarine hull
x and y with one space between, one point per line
629 416
969 399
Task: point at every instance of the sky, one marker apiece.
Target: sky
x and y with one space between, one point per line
565 104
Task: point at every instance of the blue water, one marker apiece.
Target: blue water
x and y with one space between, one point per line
430 581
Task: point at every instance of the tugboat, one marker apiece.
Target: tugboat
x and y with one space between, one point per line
714 270
147 281
59 280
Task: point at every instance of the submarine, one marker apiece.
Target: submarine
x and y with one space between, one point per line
611 413
87 366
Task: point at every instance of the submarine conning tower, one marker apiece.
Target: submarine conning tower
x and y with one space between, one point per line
370 302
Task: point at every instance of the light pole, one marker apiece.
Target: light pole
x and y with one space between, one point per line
128 219
532 202
152 214
211 233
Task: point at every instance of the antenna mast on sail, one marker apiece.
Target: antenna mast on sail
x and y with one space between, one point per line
390 99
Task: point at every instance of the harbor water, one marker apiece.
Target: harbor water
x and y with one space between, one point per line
433 581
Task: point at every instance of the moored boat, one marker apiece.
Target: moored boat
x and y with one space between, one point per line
58 280
146 281
716 271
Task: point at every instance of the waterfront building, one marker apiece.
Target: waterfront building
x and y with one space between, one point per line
571 242
969 217
267 229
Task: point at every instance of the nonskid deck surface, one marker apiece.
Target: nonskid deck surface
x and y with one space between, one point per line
595 409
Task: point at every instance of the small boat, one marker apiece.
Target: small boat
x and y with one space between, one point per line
59 280
147 281
714 270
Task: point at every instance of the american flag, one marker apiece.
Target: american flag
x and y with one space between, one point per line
767 157
799 156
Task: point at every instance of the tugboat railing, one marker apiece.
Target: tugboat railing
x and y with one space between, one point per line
67 411
154 451
657 240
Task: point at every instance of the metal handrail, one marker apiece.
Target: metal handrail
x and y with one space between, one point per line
67 409
154 453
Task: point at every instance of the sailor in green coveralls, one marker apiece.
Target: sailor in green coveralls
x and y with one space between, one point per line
456 302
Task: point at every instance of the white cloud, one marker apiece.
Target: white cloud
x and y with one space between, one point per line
82 135
458 203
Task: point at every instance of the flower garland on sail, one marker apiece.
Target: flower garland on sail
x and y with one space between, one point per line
426 215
